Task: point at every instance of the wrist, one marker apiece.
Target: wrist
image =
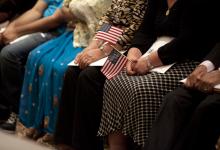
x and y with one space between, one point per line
105 48
134 52
209 65
150 65
203 68
98 42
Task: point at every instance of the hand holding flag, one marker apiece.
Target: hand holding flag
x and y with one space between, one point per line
114 64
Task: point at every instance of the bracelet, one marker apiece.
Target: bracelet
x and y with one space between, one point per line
102 48
149 63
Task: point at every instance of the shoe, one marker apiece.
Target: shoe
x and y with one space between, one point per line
32 133
47 139
10 124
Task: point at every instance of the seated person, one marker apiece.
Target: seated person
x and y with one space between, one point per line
189 116
80 105
36 23
46 65
132 98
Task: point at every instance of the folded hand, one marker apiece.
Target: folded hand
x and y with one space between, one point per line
85 58
141 67
208 81
9 35
133 55
195 76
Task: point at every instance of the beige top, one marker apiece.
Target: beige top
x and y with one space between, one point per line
88 13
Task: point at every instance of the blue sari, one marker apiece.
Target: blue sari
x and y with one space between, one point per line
42 85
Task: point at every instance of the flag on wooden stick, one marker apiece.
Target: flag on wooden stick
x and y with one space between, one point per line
114 64
109 33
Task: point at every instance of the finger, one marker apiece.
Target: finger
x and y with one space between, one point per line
203 86
77 58
206 89
190 81
84 62
141 72
81 59
81 63
199 83
90 60
129 69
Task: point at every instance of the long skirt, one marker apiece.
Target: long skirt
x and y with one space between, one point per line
131 103
43 81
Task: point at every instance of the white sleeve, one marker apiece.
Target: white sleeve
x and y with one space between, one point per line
209 65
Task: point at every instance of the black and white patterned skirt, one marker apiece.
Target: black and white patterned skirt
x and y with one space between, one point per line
131 103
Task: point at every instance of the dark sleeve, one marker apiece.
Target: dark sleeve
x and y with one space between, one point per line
214 56
145 36
196 35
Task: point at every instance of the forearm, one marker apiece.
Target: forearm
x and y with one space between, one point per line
41 25
31 15
154 59
26 18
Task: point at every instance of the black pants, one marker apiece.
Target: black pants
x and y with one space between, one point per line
188 120
80 108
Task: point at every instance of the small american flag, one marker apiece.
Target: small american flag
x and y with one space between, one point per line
109 33
114 64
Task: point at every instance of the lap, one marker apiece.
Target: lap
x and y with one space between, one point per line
21 48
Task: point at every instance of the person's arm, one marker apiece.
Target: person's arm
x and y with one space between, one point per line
23 21
44 24
129 26
31 15
145 35
210 63
197 33
143 39
207 82
39 25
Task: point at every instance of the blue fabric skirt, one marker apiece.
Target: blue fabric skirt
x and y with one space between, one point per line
41 92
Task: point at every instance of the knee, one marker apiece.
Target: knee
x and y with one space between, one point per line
179 98
90 73
6 54
171 98
71 74
69 71
207 107
59 68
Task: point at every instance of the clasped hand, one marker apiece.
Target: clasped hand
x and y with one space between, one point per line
202 80
7 36
136 65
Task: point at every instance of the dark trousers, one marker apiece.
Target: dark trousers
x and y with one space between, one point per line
188 120
80 108
12 61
